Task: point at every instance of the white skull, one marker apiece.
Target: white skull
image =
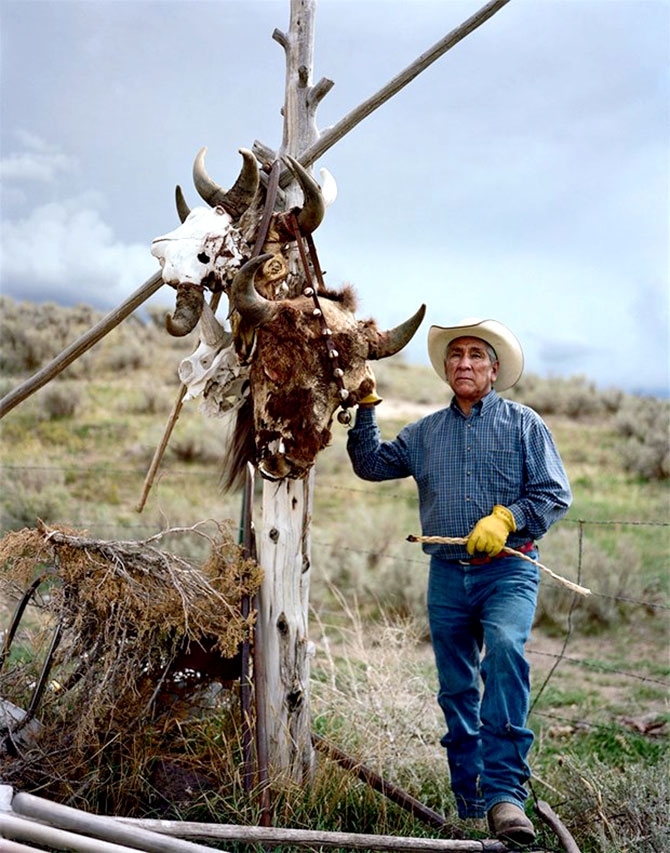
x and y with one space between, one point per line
206 242
199 367
215 347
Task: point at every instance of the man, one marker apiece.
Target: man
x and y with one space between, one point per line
486 469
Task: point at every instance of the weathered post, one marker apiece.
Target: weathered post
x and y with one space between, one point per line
284 547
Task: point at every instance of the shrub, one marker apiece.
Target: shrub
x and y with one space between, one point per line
574 396
615 576
125 357
616 811
645 421
39 494
60 401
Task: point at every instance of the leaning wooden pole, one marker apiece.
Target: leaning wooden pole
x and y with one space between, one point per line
333 134
81 345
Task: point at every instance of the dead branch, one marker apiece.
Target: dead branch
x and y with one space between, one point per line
329 137
552 820
313 838
461 540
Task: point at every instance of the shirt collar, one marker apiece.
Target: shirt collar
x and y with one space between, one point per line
479 407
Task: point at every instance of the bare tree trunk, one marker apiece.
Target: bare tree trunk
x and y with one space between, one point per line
284 548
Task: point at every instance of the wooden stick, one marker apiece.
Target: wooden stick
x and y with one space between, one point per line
160 450
378 783
169 427
552 820
278 836
329 137
81 345
460 540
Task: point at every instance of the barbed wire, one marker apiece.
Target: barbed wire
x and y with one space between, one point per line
386 495
379 494
600 667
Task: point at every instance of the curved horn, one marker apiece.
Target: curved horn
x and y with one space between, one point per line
239 196
254 308
393 340
211 331
314 208
182 208
187 311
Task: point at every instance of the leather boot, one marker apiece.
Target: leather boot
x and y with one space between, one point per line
509 823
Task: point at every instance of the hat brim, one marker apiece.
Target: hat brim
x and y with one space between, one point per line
507 347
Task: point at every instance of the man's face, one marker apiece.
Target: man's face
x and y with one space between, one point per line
470 372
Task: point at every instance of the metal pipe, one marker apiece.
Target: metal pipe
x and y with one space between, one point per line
107 829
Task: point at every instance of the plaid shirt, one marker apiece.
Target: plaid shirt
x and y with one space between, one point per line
502 453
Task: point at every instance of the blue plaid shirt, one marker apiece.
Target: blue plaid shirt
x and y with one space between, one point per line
502 453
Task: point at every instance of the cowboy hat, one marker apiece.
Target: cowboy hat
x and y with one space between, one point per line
507 347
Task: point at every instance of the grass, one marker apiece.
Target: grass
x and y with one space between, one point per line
373 683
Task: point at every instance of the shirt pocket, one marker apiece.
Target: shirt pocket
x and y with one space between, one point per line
504 472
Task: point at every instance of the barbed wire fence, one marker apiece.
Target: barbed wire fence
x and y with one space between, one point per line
142 529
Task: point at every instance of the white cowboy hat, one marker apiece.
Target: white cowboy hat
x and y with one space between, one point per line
507 347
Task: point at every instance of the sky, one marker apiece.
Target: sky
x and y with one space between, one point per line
524 176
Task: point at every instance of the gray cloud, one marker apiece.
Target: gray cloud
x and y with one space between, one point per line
523 176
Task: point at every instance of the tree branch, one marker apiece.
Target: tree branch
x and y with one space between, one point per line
337 131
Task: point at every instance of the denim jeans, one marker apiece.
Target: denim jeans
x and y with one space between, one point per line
485 608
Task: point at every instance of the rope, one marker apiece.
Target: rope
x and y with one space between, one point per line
459 540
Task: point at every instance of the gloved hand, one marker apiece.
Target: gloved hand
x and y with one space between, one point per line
491 532
372 398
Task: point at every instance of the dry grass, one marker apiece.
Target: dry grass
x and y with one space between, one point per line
140 630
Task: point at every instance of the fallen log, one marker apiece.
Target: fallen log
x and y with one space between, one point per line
16 847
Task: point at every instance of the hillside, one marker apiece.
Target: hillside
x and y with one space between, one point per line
77 453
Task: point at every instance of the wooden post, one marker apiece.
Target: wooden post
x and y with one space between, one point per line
284 547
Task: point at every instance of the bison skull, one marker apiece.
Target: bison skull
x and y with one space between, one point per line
204 249
293 386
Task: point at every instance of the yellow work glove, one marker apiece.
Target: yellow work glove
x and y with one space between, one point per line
491 532
372 398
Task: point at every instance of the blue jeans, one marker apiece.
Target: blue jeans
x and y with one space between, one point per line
487 607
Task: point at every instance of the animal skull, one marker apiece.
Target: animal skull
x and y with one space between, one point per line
292 377
205 249
215 343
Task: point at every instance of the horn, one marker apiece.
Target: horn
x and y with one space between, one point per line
393 340
182 208
313 209
187 311
253 308
212 332
239 196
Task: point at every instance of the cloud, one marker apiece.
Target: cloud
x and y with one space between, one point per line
37 161
67 247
